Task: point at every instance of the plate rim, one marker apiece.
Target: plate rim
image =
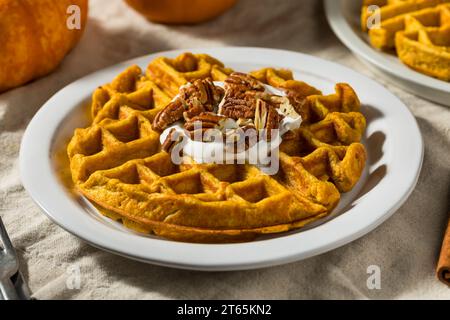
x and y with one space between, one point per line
351 40
167 253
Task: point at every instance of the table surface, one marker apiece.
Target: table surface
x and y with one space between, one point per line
405 248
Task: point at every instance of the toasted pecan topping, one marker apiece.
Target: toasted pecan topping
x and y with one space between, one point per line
204 122
202 93
170 114
206 119
241 93
266 117
238 108
193 99
172 139
244 100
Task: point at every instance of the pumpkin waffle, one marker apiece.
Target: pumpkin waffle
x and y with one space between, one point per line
419 30
119 165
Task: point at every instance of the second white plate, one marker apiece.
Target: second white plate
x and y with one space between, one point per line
393 141
344 18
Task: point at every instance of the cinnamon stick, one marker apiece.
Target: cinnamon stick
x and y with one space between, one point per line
443 267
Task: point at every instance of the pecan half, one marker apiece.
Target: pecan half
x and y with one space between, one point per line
206 119
238 108
172 139
266 117
204 123
170 114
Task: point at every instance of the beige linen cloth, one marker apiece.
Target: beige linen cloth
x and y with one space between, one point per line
405 247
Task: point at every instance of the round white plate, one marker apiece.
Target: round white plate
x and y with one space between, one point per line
393 141
344 18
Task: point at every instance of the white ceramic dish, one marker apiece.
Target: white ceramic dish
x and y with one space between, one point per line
393 141
344 18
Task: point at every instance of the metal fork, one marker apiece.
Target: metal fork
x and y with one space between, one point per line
9 265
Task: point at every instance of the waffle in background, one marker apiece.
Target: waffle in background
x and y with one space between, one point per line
118 164
417 29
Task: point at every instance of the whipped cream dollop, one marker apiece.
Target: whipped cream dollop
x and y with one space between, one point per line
261 154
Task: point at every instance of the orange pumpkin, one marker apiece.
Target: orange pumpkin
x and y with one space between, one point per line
181 11
35 35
